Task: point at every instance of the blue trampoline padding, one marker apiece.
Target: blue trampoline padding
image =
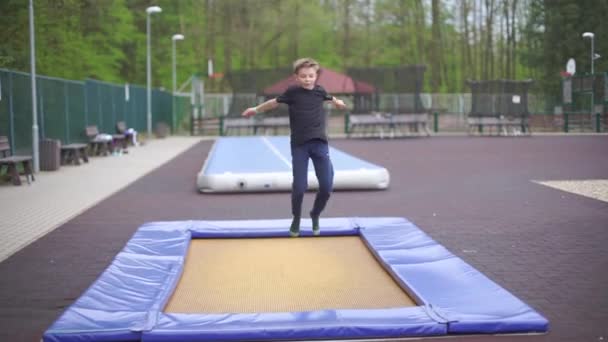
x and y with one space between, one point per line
126 302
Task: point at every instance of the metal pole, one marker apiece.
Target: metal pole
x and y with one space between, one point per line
173 66
35 152
174 87
592 53
149 79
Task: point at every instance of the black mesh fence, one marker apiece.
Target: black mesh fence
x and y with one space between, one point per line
581 94
496 98
251 87
388 89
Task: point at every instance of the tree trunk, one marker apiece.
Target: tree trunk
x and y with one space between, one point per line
294 33
368 28
505 54
420 28
513 39
466 43
346 37
435 48
489 56
227 28
209 34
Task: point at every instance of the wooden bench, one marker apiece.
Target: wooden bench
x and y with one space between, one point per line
386 124
254 125
121 128
501 124
72 153
102 147
12 163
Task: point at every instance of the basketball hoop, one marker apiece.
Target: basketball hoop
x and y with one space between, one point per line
571 67
565 74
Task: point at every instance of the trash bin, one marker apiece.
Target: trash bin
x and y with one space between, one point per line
50 154
162 130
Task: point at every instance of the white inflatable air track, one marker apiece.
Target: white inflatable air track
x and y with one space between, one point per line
249 164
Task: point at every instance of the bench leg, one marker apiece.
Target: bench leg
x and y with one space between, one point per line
27 166
12 170
83 154
64 158
75 156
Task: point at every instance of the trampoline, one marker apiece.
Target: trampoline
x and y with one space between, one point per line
255 164
245 280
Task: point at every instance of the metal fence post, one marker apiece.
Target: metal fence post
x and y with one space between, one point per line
66 102
346 122
221 126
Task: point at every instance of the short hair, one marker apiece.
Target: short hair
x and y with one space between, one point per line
305 63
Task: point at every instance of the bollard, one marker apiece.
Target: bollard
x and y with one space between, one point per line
436 122
566 122
346 122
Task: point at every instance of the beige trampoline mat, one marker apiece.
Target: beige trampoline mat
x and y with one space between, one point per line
593 188
283 275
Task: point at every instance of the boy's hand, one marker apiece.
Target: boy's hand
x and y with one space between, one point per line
249 112
339 104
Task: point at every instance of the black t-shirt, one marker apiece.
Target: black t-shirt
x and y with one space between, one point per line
307 116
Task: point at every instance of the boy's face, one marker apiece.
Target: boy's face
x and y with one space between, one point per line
306 77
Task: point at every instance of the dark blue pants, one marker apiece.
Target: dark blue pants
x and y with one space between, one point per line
318 151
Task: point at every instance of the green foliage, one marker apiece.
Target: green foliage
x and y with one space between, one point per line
106 40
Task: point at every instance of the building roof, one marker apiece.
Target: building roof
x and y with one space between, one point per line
333 82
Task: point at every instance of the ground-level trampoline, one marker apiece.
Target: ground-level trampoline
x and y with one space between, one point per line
380 278
261 163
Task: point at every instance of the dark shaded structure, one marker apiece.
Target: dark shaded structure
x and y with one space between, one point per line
248 87
585 102
395 107
501 105
402 84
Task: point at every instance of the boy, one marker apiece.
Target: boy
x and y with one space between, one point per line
307 122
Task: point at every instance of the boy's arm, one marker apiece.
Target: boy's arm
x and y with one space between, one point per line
338 103
268 105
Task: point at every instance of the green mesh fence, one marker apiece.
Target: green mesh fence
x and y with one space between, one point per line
66 107
584 102
580 94
183 108
162 107
16 110
60 105
135 111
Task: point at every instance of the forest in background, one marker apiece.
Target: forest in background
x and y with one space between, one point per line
456 39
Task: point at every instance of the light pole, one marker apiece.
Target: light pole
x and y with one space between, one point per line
150 10
592 36
175 38
35 152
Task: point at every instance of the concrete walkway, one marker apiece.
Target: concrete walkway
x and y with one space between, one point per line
28 212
